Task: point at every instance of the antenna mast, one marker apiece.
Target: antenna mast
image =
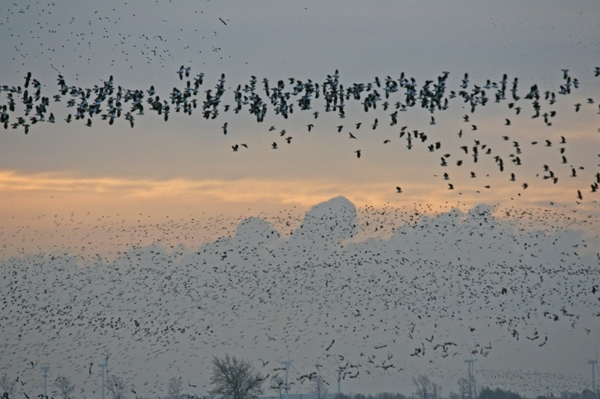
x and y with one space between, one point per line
594 364
287 365
45 368
470 369
103 366
287 370
340 370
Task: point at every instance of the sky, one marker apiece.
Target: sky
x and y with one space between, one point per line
189 163
60 181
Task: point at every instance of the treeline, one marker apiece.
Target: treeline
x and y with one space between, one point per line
380 395
236 378
485 393
498 393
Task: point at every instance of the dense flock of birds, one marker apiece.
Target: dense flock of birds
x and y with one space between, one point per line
386 295
438 288
104 31
110 102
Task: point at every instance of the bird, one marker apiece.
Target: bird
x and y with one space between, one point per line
180 72
27 79
330 345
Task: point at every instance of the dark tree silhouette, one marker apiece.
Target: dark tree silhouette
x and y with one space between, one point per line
64 386
7 386
234 378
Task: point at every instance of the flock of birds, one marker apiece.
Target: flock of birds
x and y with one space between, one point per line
109 102
357 296
442 286
120 46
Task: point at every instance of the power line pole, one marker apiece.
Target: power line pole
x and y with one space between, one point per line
340 370
45 368
470 369
287 370
103 366
594 366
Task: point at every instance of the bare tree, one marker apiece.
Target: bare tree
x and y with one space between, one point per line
234 378
64 386
116 387
174 388
463 388
423 386
278 384
588 394
435 390
7 386
319 387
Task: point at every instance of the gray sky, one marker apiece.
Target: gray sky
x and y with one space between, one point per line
185 168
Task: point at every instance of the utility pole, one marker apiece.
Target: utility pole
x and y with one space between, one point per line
287 365
594 366
287 369
103 366
45 368
470 369
340 370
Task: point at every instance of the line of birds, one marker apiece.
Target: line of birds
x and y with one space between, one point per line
110 103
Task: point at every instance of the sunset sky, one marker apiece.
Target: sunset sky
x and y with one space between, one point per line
187 165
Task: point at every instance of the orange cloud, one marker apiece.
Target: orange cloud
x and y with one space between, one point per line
36 192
